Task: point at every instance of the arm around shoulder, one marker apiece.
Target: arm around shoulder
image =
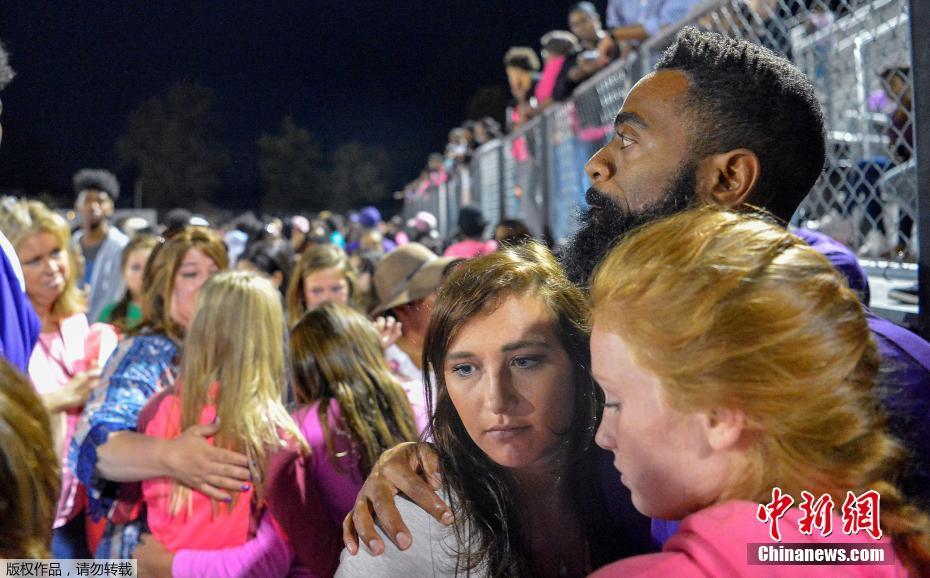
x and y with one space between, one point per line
422 558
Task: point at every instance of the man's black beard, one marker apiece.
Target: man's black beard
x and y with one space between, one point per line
605 221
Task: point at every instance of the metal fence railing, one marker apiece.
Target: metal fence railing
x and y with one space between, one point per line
857 53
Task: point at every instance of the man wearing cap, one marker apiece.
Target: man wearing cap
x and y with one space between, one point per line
101 244
423 230
370 218
300 228
406 281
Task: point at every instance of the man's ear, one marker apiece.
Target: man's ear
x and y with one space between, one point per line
723 427
728 179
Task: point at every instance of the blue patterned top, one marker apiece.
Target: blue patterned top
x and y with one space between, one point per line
140 367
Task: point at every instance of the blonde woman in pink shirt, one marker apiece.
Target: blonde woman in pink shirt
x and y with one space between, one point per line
734 361
351 410
66 362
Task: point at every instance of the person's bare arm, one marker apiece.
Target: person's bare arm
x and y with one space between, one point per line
72 395
634 33
409 468
189 458
152 558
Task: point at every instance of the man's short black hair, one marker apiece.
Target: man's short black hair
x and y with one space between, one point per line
471 222
742 95
96 180
522 57
6 71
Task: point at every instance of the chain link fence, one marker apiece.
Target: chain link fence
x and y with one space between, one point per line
856 52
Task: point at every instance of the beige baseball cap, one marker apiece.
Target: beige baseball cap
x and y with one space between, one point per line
408 273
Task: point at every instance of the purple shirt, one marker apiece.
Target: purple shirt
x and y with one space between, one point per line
904 381
307 498
19 326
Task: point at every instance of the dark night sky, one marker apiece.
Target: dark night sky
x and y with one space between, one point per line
395 74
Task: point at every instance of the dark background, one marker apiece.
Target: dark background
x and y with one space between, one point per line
392 74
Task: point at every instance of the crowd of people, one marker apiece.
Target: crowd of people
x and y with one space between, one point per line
538 79
246 399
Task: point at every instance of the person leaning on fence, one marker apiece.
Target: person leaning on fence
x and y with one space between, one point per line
633 21
585 24
558 47
522 66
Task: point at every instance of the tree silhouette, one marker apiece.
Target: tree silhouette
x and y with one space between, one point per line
171 141
291 171
359 174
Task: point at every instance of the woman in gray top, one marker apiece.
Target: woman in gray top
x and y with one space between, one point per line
513 424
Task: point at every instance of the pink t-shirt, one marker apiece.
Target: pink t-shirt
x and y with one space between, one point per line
547 78
307 497
714 542
310 496
519 148
469 249
203 525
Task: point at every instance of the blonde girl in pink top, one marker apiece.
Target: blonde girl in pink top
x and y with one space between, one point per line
233 371
66 362
735 360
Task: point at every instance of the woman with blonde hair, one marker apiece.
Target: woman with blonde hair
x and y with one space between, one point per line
323 273
232 373
65 365
738 368
107 450
29 476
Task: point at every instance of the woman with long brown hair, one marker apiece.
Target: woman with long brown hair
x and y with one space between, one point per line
323 273
513 424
